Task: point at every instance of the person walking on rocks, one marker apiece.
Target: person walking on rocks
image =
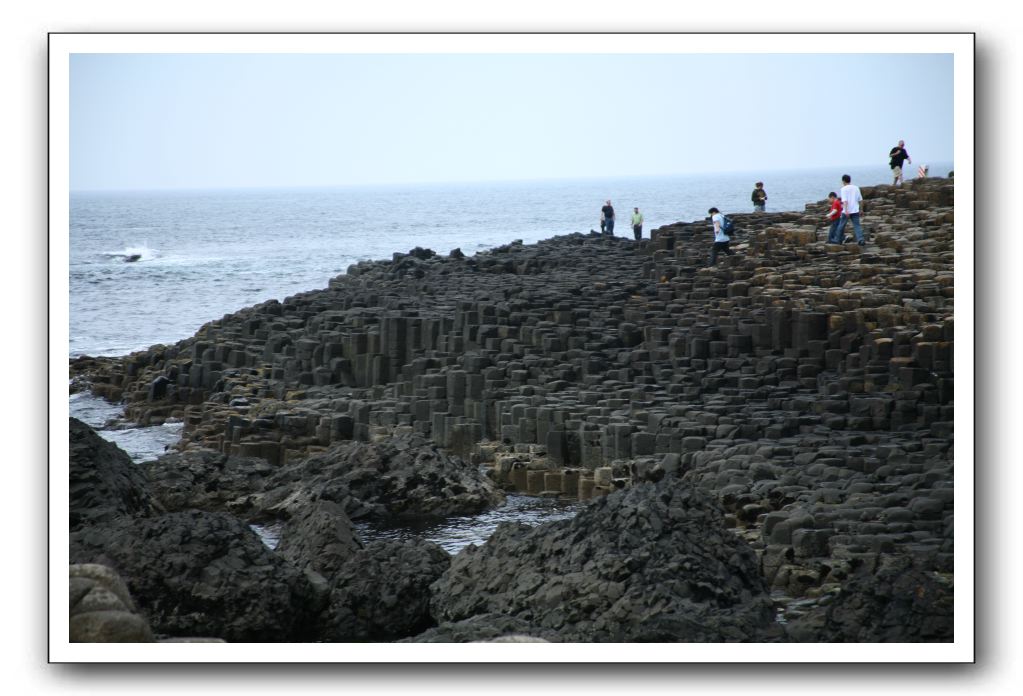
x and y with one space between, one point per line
637 224
759 197
852 200
898 156
607 219
720 238
834 216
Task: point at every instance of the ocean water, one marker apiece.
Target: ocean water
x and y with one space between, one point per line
141 444
152 267
203 254
454 533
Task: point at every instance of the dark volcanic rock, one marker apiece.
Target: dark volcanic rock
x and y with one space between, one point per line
204 479
484 627
104 483
421 253
383 592
809 387
103 611
200 573
321 538
650 563
404 476
896 604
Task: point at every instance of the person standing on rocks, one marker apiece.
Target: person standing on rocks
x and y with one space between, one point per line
637 224
759 197
721 239
898 156
852 200
834 216
607 218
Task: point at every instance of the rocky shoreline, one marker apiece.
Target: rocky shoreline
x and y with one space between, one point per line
781 423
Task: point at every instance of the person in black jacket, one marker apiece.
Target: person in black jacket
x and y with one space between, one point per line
898 155
759 197
607 219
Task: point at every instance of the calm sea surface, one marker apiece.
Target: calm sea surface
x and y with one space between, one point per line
203 254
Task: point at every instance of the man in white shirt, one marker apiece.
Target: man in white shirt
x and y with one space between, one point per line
852 204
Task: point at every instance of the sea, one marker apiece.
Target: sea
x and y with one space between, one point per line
151 267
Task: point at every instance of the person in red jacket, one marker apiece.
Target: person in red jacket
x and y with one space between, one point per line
833 216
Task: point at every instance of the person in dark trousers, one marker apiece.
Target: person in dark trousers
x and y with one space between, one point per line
607 218
637 224
898 156
834 216
759 197
720 238
852 207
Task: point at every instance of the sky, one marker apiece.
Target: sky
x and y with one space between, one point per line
197 121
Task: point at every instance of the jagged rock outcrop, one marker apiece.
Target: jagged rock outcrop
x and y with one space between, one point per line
650 563
382 592
320 538
401 476
103 484
894 603
204 479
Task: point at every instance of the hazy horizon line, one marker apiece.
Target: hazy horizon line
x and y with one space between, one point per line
755 173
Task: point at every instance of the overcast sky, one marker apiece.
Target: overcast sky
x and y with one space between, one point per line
244 120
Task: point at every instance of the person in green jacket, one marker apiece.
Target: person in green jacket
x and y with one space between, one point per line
637 224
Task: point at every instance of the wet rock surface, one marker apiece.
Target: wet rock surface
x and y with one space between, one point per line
807 387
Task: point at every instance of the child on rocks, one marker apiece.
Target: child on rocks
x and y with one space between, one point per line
833 216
